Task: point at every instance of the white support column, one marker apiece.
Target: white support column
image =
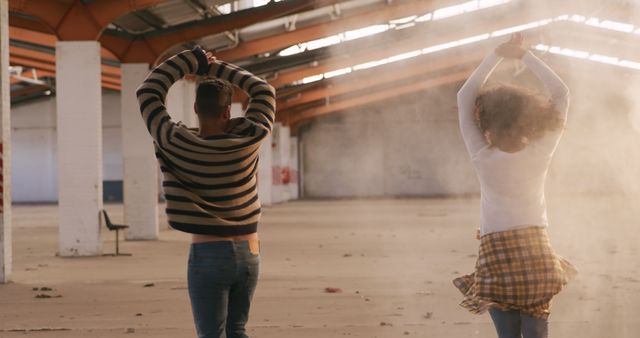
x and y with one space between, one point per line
276 180
79 114
280 163
300 168
180 101
293 169
5 148
236 110
265 173
140 168
285 162
175 101
189 97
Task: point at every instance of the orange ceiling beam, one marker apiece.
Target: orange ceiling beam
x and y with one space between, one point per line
378 96
112 86
30 63
33 25
32 54
337 106
44 63
151 48
107 82
28 90
37 59
45 39
375 77
73 20
49 12
110 79
396 10
29 35
110 71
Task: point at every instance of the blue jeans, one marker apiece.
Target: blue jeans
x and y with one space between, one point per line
514 324
222 277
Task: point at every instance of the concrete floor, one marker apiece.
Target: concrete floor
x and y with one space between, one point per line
392 259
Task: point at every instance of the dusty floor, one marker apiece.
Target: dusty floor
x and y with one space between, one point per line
392 259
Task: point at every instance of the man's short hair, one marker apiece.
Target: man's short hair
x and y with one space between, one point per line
213 96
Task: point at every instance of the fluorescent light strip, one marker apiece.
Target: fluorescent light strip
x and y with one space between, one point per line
521 28
403 21
399 57
363 32
451 11
595 22
338 72
467 7
400 23
578 54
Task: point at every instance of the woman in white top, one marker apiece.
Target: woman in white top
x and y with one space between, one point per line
511 135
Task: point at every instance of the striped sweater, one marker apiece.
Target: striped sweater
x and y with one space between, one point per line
209 183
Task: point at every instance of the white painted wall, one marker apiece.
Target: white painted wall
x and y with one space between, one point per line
411 146
293 169
34 154
280 157
404 147
265 173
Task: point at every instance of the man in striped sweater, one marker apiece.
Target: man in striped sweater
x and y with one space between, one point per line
210 183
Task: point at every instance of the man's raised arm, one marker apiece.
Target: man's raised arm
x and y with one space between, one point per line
153 90
262 96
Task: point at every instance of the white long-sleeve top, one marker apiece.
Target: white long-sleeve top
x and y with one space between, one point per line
511 184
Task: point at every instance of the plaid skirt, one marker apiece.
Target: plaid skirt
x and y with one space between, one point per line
515 270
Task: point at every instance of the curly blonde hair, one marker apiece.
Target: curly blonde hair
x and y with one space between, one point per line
514 116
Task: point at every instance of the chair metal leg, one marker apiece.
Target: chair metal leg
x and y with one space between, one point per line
117 253
117 243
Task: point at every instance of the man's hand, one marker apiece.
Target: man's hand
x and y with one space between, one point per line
210 58
478 233
203 60
512 49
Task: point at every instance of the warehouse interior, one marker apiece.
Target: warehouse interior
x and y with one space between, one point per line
366 184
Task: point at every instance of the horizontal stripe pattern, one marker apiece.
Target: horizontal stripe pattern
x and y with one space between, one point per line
210 183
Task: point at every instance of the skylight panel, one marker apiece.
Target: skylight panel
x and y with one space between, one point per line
405 56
